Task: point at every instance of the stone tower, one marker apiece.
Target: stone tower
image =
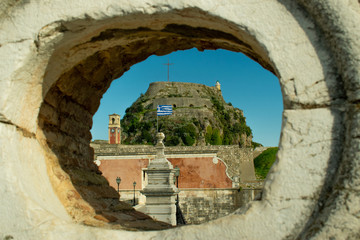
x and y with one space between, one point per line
218 86
114 129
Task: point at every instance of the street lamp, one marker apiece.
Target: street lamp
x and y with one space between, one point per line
177 174
118 181
134 184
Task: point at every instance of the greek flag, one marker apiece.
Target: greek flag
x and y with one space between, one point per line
163 110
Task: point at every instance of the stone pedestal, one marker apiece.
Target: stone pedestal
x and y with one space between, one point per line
160 192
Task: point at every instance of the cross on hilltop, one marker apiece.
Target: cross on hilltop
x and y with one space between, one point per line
168 64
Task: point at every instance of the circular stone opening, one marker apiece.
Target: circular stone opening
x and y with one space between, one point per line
65 117
88 53
220 193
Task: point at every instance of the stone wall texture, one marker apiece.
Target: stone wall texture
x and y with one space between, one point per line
239 161
57 58
190 94
207 192
203 205
195 172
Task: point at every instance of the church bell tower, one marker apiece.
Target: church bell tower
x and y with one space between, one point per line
114 129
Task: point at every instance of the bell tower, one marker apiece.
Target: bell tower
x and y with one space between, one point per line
114 129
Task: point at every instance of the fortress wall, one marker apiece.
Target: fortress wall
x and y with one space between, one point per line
203 205
195 113
196 171
257 151
183 88
155 87
183 102
129 170
102 147
186 112
201 172
239 161
206 190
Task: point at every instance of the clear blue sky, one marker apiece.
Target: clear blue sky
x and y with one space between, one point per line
244 83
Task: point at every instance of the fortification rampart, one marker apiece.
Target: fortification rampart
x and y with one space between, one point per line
239 161
184 89
183 102
199 112
201 199
203 205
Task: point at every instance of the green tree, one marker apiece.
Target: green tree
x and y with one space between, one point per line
188 134
188 140
255 144
215 137
208 134
172 140
227 137
146 137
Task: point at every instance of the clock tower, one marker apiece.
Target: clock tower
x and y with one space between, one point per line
114 129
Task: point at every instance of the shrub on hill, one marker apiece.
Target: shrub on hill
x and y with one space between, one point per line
255 144
216 124
264 161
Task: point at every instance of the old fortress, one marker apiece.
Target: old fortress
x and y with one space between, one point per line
200 112
214 180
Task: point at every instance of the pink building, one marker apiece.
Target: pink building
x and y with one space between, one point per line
195 171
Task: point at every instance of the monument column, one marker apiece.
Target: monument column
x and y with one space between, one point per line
160 191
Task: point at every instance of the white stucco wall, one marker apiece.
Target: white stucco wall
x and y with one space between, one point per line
312 191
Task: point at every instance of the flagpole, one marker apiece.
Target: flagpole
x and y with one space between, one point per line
162 110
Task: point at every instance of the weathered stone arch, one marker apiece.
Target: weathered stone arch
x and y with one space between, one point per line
59 57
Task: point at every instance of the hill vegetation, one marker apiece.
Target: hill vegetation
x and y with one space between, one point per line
200 117
264 161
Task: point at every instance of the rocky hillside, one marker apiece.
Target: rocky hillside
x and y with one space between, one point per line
200 117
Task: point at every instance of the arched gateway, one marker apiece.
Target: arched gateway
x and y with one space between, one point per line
59 57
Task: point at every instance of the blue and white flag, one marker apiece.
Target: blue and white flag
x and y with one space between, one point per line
163 110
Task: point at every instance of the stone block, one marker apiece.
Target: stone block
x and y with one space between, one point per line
160 209
49 114
305 153
23 169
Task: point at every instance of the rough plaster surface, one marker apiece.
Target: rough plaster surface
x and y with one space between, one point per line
57 58
202 205
239 161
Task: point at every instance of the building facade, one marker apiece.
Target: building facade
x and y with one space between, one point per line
213 182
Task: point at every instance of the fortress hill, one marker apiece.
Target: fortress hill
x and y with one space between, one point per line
200 117
206 138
